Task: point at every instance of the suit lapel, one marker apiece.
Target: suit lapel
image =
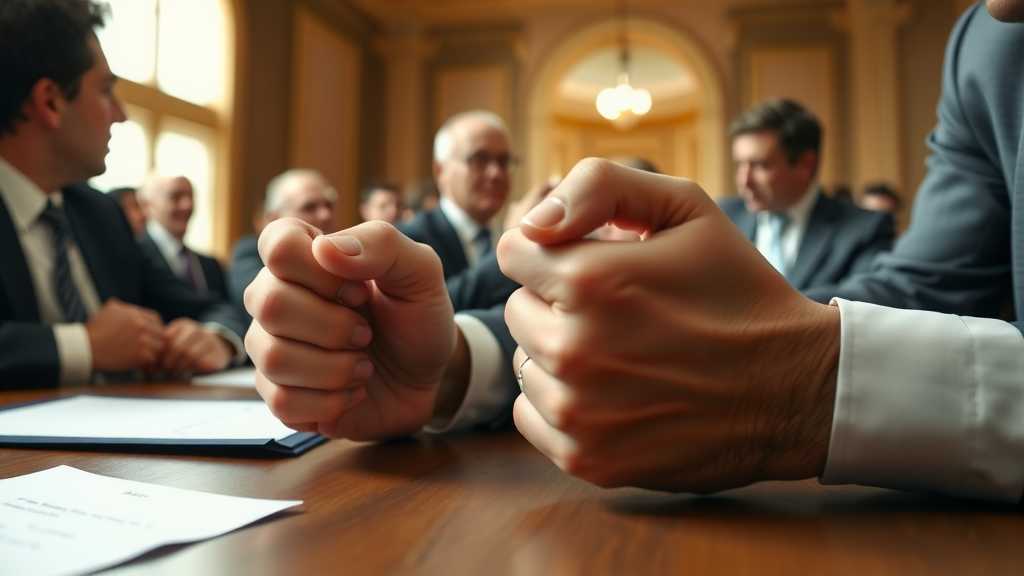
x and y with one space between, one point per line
76 210
453 257
747 223
16 280
152 251
815 244
1017 231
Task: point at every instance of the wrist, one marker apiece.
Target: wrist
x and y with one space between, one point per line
803 430
454 382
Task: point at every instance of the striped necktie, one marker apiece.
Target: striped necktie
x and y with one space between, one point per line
68 296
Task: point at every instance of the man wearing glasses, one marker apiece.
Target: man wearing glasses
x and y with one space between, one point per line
471 167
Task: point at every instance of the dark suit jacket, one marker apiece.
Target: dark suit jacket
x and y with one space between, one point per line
28 351
245 265
213 273
477 287
964 251
840 240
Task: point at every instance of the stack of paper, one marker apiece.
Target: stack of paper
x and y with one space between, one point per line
235 427
64 520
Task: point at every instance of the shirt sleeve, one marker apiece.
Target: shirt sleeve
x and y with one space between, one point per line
928 401
74 352
487 397
238 353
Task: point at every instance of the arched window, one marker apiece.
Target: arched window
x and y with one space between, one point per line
172 59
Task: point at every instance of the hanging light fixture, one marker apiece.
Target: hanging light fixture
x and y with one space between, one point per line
623 104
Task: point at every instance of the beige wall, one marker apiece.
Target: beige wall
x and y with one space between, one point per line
325 121
378 77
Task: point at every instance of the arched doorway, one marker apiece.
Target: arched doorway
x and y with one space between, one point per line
685 131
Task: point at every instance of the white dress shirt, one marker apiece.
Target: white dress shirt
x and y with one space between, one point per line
25 202
465 227
170 248
928 401
799 214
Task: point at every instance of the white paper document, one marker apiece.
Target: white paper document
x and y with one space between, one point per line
236 378
67 521
145 418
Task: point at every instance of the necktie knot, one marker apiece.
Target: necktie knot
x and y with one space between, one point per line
482 241
53 216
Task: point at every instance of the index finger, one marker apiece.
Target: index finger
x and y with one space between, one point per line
286 247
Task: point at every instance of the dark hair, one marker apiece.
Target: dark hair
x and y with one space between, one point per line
386 186
885 191
797 129
43 39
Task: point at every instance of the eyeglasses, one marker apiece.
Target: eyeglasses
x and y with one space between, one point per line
481 160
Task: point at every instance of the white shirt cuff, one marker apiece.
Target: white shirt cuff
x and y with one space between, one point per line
487 395
928 401
233 340
74 353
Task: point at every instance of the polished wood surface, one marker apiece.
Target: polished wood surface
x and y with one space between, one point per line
490 504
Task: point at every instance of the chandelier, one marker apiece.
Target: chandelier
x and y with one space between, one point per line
623 104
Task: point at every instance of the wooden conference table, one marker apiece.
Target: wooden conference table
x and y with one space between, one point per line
490 504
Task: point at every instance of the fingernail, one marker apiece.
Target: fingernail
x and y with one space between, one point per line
349 245
361 336
363 370
546 214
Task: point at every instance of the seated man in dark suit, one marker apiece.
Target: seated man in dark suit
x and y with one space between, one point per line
808 237
77 296
302 194
471 166
168 202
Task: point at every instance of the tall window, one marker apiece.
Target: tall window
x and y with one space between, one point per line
171 56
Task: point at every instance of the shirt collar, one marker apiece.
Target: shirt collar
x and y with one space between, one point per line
169 246
464 225
798 213
25 201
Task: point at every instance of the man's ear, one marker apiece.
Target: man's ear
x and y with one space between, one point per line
808 162
45 104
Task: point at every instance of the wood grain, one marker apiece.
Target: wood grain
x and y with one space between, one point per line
490 504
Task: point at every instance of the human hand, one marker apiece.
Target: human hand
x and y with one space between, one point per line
683 362
124 337
533 196
351 332
193 348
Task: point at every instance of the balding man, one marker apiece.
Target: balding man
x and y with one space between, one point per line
471 166
168 202
297 193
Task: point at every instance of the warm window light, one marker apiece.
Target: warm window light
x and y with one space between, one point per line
623 105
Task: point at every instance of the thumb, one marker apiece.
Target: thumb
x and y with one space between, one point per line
599 191
377 251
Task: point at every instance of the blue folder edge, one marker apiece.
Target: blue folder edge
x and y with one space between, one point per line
292 445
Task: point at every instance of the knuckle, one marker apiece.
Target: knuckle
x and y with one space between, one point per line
595 168
276 399
275 358
581 281
564 413
270 308
564 356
